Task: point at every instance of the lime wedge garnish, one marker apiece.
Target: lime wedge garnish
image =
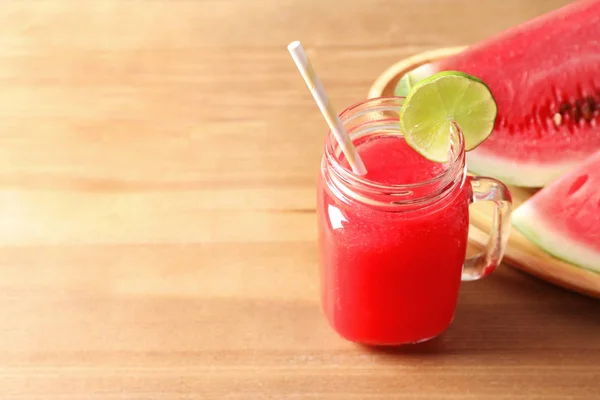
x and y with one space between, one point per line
434 104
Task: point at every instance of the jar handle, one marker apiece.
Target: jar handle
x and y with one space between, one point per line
489 189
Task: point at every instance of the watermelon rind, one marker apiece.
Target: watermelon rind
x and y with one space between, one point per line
534 226
514 172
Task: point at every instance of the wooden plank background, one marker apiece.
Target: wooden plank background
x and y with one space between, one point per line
157 229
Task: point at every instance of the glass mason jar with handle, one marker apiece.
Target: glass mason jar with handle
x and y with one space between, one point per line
393 243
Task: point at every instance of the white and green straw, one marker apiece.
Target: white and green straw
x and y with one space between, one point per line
333 120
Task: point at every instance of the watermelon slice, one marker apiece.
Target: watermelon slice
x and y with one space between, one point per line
564 217
545 78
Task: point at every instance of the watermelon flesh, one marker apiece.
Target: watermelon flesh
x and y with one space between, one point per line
564 217
545 77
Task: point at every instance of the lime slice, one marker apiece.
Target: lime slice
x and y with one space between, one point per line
436 103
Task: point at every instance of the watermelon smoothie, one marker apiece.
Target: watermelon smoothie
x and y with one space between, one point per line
393 242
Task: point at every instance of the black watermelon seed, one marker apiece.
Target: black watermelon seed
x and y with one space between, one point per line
586 110
564 108
576 113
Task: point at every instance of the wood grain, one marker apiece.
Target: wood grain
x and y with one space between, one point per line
157 171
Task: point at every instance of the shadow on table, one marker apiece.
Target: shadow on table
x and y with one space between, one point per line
511 311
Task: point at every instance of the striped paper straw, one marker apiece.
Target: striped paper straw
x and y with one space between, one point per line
333 120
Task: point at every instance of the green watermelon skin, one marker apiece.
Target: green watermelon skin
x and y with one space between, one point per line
545 77
564 217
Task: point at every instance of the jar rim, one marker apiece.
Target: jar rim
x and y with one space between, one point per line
388 103
437 185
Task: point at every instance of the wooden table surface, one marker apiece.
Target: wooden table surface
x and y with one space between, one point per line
157 239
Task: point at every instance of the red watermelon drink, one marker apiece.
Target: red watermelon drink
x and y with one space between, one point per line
393 200
393 242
